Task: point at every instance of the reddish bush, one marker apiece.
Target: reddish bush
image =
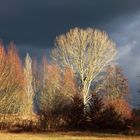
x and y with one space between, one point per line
121 107
117 114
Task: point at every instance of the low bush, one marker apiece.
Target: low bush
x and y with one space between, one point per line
117 114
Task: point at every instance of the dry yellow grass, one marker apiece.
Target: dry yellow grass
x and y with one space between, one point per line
65 136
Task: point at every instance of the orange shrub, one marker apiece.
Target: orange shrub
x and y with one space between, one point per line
121 107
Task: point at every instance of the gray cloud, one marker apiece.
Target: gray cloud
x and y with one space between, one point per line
127 38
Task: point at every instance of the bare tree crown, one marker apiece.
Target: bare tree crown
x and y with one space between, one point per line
86 51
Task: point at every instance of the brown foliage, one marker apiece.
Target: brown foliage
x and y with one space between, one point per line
117 114
68 84
11 79
16 66
121 107
58 92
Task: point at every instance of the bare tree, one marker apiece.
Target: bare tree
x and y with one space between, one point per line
50 96
87 52
116 84
11 80
57 92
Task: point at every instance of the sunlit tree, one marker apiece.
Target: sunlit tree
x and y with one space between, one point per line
86 52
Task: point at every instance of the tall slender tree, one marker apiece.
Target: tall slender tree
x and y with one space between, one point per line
28 105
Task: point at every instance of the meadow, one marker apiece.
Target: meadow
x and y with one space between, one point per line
65 136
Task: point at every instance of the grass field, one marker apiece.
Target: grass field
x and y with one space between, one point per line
65 136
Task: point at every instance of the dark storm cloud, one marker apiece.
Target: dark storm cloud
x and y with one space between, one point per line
37 22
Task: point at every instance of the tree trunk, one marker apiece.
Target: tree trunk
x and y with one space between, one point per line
85 94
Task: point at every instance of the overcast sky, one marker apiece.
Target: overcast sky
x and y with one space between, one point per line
34 24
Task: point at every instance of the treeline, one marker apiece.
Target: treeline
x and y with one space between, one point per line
80 88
